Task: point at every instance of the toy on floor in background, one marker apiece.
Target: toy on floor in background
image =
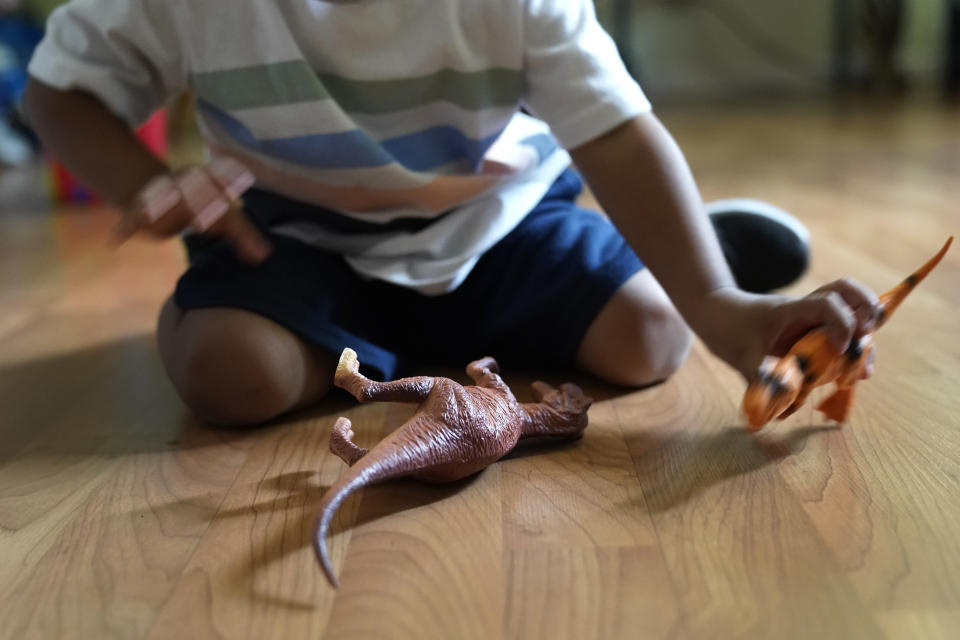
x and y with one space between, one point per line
19 35
782 385
457 430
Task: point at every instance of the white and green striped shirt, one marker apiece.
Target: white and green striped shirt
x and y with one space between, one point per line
377 109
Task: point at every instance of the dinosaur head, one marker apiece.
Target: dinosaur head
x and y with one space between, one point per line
774 388
568 403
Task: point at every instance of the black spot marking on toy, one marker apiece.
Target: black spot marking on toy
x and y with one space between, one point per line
777 387
854 351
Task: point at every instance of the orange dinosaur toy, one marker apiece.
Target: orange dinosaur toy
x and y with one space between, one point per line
782 385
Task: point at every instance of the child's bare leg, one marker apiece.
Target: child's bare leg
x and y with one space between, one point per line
233 367
349 378
638 338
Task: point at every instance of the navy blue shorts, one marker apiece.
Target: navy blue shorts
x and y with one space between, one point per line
528 301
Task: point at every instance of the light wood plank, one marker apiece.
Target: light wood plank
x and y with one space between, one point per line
583 592
131 532
579 494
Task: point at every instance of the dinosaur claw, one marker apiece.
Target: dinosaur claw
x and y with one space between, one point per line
343 428
347 367
342 444
483 366
491 364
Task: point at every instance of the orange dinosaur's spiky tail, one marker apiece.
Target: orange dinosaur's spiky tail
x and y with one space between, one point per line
892 299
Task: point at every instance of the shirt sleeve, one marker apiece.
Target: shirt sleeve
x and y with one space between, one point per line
126 52
574 78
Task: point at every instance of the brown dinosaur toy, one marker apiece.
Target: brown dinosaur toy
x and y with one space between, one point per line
457 430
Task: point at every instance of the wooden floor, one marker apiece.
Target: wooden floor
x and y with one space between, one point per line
121 516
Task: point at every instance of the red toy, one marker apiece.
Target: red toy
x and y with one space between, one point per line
782 385
457 430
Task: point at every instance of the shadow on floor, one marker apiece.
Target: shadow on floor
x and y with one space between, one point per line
117 390
111 398
676 467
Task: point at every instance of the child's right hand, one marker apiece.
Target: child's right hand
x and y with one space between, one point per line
203 198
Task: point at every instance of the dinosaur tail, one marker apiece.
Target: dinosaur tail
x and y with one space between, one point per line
890 300
331 502
371 468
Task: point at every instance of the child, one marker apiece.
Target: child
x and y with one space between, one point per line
405 205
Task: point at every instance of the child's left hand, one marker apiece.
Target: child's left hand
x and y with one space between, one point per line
747 327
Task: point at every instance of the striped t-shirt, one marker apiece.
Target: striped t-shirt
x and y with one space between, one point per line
378 111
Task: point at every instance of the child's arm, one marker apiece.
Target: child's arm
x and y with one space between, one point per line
96 145
642 180
104 154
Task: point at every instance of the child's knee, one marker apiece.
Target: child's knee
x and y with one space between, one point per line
638 339
668 342
652 352
236 390
232 368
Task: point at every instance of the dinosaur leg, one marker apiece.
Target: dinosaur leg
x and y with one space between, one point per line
341 442
484 366
861 368
801 399
837 406
348 377
485 372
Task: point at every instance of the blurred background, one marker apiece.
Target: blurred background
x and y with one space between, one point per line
738 55
736 50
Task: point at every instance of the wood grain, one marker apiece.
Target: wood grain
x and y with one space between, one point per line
122 517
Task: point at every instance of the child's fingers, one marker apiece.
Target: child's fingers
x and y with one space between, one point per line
204 198
233 179
861 300
158 197
839 319
211 195
249 243
232 176
825 309
155 200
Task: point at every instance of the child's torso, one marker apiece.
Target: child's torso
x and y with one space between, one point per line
368 107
